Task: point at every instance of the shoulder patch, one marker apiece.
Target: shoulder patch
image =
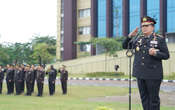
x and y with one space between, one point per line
158 35
141 35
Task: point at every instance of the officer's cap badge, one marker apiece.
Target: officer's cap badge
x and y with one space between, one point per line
144 19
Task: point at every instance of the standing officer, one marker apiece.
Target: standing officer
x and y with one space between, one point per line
29 80
40 80
18 79
52 77
150 50
10 79
33 83
23 78
1 78
63 78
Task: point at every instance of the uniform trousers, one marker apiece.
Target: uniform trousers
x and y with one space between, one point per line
1 82
149 93
29 87
40 88
18 87
64 86
10 87
51 87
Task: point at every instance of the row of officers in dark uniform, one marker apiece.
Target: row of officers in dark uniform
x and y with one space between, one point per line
18 77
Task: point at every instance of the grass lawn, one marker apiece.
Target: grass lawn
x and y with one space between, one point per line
77 99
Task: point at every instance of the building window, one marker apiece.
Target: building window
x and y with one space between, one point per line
170 15
85 30
153 10
85 48
134 6
117 18
84 13
101 18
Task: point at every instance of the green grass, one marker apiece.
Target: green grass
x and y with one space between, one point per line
77 99
170 77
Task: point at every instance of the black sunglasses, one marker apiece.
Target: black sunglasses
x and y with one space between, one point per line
145 25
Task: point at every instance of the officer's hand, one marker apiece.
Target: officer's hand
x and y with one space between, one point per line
152 51
133 33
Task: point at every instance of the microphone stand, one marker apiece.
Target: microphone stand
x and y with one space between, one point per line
129 54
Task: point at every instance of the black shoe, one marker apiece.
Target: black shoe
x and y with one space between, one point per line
27 94
17 93
9 93
39 95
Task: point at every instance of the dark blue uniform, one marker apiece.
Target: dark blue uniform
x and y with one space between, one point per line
18 80
29 81
10 81
52 77
63 79
40 81
1 79
147 68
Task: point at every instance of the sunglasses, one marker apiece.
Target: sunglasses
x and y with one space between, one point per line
144 25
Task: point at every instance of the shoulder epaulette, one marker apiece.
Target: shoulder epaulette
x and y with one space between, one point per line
158 35
141 35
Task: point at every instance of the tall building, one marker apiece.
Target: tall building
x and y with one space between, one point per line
81 20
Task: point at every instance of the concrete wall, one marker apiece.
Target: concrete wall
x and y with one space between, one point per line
97 63
58 43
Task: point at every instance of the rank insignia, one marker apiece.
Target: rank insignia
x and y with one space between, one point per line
137 48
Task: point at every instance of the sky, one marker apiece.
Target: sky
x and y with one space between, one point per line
20 20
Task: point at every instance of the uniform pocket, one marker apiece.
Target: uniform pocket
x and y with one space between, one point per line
152 66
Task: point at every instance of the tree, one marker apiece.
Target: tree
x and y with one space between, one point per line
24 53
110 45
49 40
4 57
41 53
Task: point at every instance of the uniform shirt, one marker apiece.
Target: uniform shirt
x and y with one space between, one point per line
52 74
63 74
1 75
147 66
18 75
40 75
10 74
30 75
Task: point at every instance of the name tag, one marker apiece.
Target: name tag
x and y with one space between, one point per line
153 42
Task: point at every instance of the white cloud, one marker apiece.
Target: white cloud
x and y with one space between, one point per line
20 19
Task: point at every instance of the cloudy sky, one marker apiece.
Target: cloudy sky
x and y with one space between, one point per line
22 19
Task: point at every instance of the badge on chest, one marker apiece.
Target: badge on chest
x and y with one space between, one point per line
153 43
